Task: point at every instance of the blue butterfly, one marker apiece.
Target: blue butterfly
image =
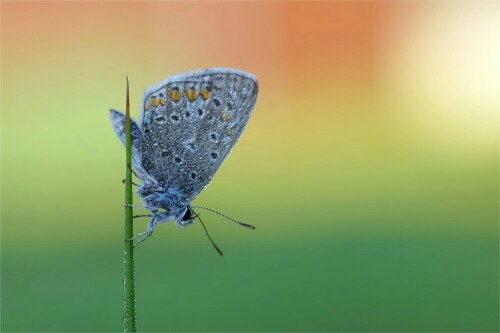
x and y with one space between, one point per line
188 125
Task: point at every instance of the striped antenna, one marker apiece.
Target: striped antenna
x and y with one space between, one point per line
249 226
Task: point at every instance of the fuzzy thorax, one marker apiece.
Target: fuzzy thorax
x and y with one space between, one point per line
166 204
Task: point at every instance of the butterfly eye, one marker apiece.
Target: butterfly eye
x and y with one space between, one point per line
187 215
178 160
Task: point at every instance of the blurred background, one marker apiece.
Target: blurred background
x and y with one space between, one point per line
369 167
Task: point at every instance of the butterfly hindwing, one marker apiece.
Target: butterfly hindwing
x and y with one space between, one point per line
190 122
118 121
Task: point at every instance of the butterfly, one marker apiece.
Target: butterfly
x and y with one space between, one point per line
188 125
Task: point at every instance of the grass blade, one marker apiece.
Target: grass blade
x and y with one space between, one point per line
129 319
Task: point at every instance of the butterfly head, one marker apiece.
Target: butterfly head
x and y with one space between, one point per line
186 217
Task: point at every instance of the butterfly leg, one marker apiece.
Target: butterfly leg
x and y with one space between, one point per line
142 236
124 181
133 172
146 234
134 205
142 215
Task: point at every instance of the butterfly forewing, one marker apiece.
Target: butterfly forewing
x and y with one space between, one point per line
190 122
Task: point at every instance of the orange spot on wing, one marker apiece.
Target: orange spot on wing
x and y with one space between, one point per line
154 101
175 94
192 94
205 93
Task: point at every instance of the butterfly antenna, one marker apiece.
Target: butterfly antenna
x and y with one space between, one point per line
249 226
210 238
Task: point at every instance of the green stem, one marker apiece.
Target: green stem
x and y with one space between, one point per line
129 320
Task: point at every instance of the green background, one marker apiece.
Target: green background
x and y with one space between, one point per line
369 167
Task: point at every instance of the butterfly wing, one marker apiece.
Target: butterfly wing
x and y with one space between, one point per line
118 121
190 122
